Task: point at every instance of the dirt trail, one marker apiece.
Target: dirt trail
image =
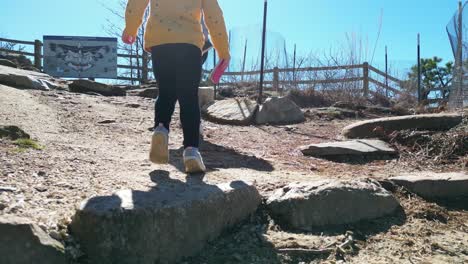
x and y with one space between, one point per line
96 145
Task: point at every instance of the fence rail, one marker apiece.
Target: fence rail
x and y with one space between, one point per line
275 82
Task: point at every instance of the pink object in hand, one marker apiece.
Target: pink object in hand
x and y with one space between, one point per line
219 71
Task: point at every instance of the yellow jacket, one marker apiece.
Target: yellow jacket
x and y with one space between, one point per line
178 21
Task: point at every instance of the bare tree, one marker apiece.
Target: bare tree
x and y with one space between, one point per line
137 58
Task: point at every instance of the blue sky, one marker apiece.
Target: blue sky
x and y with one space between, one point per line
314 25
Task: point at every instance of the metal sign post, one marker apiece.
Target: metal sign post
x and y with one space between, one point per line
419 69
262 65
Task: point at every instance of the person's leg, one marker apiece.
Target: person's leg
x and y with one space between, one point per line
164 72
188 80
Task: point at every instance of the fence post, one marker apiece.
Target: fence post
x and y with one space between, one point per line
276 79
37 54
144 71
365 70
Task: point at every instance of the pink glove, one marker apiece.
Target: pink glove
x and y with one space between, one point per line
128 39
219 71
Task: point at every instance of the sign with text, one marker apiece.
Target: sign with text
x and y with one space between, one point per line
80 57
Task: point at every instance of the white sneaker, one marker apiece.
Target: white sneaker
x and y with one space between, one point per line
193 161
159 153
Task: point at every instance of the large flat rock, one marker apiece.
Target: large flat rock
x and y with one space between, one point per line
279 110
23 242
161 225
231 111
25 79
353 148
431 185
373 128
312 205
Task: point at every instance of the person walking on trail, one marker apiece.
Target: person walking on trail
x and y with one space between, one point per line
175 38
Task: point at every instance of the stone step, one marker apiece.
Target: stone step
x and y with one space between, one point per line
374 128
431 185
162 225
312 206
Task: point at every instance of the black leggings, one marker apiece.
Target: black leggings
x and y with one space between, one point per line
177 69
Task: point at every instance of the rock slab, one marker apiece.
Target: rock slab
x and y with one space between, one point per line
88 86
279 110
431 185
23 242
162 225
232 111
373 128
363 147
307 206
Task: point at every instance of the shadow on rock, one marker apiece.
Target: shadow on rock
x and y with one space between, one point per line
172 220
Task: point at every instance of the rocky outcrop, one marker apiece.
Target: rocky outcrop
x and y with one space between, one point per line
162 225
8 63
23 242
307 206
375 128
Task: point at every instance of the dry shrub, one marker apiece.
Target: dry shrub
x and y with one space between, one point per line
308 98
433 148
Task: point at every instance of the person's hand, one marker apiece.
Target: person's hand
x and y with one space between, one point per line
127 38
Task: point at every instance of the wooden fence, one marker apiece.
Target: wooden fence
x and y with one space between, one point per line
275 82
366 77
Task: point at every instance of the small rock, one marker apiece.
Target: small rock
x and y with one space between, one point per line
133 105
107 121
41 188
42 173
7 189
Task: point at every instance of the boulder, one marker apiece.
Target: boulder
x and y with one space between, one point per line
279 110
23 242
353 148
231 111
373 128
306 206
88 86
24 79
12 132
8 63
162 225
205 96
431 185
